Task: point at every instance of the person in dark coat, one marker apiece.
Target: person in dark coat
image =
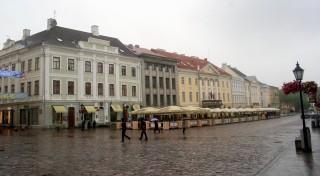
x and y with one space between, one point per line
184 126
143 127
123 129
156 127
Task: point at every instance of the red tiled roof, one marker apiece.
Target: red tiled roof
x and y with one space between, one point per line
143 51
189 62
186 62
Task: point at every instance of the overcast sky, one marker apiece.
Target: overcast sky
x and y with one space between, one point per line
264 38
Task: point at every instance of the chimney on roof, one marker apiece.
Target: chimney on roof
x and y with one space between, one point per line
224 65
95 30
51 23
136 46
8 43
130 46
25 33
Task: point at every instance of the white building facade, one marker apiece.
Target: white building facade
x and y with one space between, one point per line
65 70
239 98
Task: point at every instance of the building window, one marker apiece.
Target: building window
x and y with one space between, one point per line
197 96
100 67
155 100
22 66
13 67
173 83
29 64
71 64
56 63
36 63
29 88
190 96
56 87
174 100
133 71
183 97
124 90
36 87
111 69
88 88
228 97
111 89
161 100
12 88
196 81
190 81
123 70
70 88
203 96
148 100
5 89
168 100
134 91
172 69
182 80
22 87
219 96
167 68
167 83
147 82
87 67
223 97
160 67
161 82
100 89
202 82
154 82
222 83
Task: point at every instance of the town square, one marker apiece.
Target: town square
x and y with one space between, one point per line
159 88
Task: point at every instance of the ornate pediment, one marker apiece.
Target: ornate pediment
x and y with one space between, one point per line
98 45
209 69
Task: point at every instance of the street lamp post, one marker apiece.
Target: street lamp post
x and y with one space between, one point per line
298 73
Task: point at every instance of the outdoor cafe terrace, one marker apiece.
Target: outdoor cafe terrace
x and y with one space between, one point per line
171 117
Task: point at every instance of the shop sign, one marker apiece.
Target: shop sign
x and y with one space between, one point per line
211 103
13 96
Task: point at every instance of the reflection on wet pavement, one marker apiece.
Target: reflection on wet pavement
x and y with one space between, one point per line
236 149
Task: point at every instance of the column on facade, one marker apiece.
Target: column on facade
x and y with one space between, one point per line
94 78
158 86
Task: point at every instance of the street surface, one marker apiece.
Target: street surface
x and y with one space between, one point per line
251 148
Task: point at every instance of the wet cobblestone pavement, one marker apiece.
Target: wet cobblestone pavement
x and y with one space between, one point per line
235 149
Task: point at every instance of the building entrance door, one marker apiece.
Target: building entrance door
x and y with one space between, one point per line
71 117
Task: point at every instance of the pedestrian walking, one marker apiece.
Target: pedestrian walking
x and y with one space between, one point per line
143 127
123 129
161 126
156 127
184 126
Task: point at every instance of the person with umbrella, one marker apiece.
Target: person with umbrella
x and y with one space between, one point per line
156 125
143 128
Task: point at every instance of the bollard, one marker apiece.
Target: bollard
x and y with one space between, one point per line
297 143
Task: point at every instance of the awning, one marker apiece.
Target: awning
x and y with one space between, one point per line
59 109
116 107
136 107
90 109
